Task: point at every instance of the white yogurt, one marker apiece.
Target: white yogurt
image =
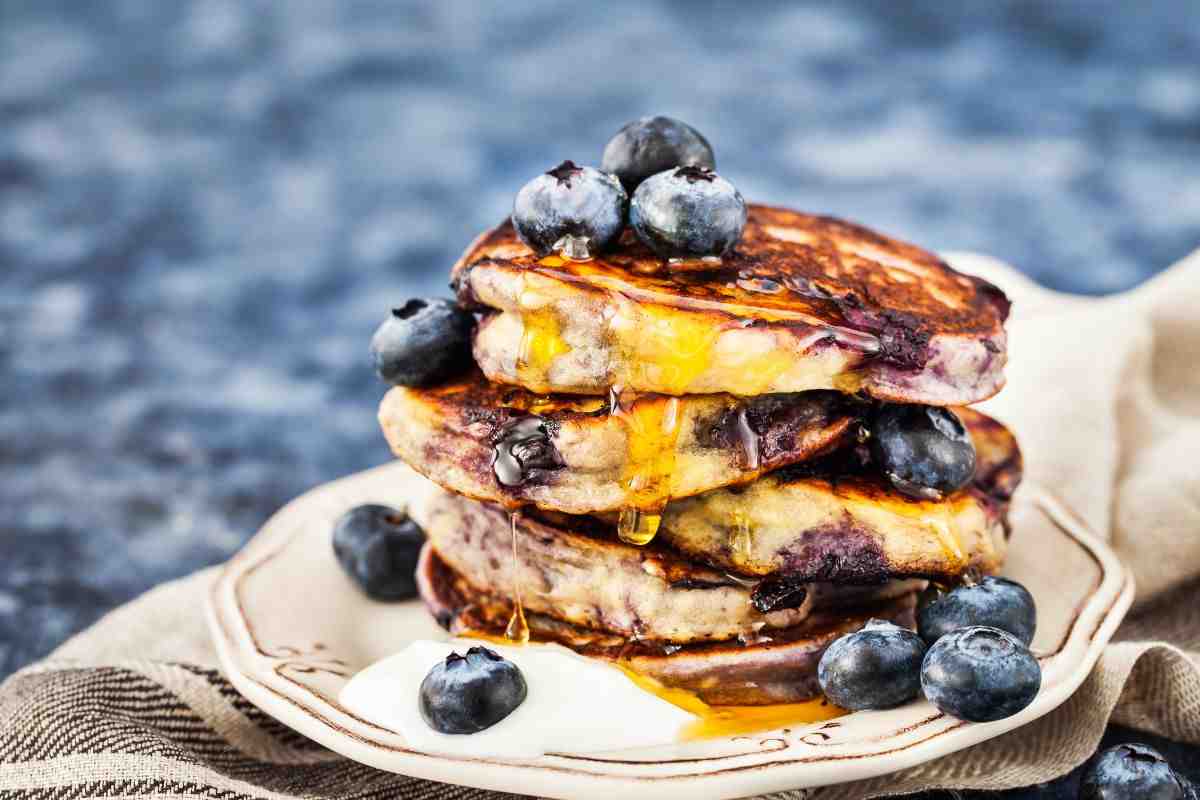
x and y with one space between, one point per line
574 704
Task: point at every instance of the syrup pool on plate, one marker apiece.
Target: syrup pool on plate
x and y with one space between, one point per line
574 705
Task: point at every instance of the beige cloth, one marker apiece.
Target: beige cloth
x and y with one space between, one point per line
1105 398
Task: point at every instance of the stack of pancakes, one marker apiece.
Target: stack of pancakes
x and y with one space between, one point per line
665 463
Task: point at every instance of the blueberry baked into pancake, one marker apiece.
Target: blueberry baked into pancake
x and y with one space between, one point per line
724 446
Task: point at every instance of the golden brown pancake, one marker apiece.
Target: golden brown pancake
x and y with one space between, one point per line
780 668
449 433
826 522
802 302
579 573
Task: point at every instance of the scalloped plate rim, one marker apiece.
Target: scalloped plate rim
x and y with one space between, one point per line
599 775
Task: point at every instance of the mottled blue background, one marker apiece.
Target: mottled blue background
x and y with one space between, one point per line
206 207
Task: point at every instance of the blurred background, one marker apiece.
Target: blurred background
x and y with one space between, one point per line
207 207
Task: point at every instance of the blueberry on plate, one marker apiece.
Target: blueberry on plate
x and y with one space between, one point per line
1131 772
993 601
651 145
878 666
423 342
378 546
924 451
687 212
980 674
576 211
466 694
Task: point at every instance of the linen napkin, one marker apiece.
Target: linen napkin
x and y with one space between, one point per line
1104 396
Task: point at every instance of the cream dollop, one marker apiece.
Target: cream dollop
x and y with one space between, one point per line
574 704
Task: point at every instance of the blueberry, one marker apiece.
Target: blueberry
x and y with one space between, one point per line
423 342
574 210
996 602
1131 772
378 546
923 450
980 674
652 145
687 212
878 666
466 694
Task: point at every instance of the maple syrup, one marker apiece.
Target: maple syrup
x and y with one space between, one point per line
541 334
748 441
541 343
517 631
716 722
651 433
741 536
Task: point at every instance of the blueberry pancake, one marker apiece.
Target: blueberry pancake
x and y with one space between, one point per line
801 302
579 455
763 670
837 520
700 439
575 570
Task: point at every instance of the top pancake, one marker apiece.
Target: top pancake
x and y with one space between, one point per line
803 302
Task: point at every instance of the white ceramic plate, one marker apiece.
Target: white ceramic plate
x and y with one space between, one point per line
290 630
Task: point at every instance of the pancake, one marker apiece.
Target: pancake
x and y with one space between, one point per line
779 668
803 302
581 575
826 522
593 458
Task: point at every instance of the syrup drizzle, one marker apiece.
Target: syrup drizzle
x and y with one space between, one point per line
541 343
715 722
541 336
652 431
748 441
938 517
741 536
517 631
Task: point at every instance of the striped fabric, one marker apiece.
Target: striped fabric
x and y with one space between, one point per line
149 729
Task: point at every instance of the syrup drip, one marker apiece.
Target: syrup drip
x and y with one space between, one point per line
574 248
541 343
541 338
948 538
715 722
652 430
517 631
741 536
938 516
748 441
546 403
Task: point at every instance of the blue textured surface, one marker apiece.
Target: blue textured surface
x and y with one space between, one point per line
206 208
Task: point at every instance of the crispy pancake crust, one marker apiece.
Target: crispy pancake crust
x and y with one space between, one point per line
579 574
811 525
803 302
448 433
778 669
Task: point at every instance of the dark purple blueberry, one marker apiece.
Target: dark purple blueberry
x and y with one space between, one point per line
652 145
687 212
423 342
925 451
997 602
878 666
1132 772
378 547
466 694
980 674
573 210
523 452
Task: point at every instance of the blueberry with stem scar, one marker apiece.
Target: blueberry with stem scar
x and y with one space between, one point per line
468 694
